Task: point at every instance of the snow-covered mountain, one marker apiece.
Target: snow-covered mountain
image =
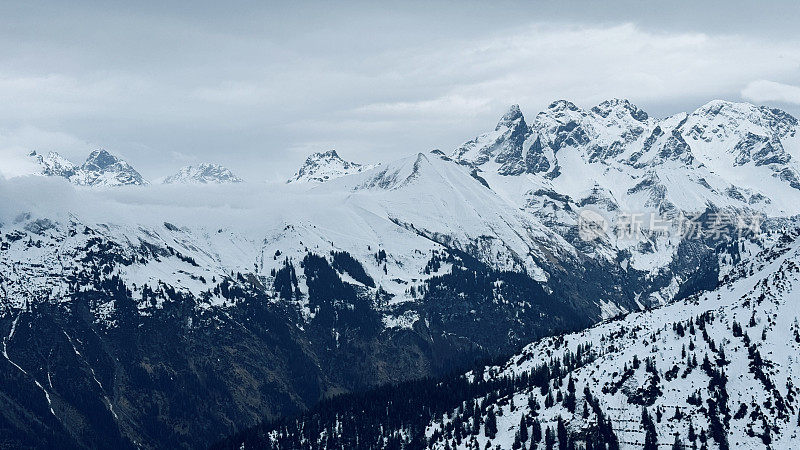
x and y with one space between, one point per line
367 275
719 367
101 169
203 174
729 163
54 165
716 370
324 166
357 282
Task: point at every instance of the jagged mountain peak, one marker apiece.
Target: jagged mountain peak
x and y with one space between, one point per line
328 154
323 166
510 118
53 164
101 168
104 169
620 107
100 159
502 145
562 105
203 174
774 119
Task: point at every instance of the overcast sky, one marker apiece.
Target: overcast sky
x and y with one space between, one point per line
258 86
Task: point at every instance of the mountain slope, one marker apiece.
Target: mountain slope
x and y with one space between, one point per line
159 317
715 370
353 290
722 362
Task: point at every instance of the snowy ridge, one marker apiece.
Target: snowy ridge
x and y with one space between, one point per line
357 214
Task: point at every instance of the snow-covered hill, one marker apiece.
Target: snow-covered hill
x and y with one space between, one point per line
324 166
203 174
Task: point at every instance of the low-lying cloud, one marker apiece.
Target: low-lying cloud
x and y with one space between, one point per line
770 91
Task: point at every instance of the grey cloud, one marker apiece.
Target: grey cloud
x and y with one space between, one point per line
256 88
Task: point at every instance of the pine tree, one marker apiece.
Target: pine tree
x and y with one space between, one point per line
533 405
491 424
523 429
549 439
678 444
569 399
476 423
548 401
536 432
517 442
561 429
650 438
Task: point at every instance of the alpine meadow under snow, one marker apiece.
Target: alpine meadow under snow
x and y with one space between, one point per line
642 272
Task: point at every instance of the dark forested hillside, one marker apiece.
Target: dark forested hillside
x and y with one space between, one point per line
715 370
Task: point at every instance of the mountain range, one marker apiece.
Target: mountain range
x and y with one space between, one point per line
145 321
102 169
